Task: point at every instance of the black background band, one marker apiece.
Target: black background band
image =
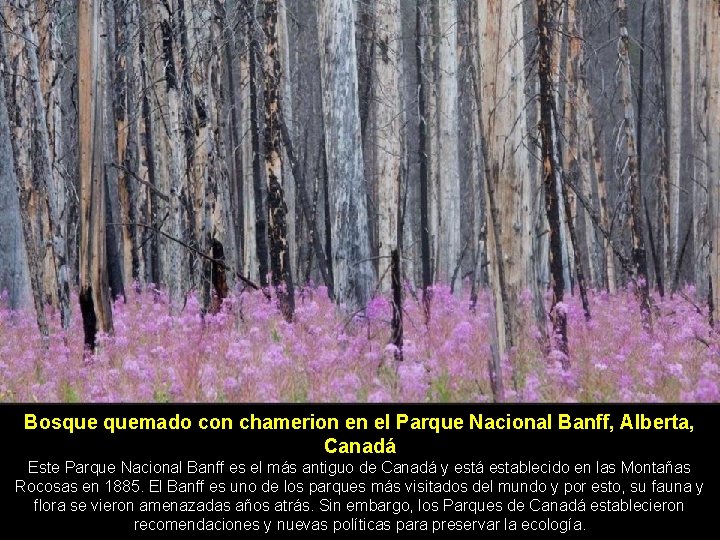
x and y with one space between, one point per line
694 452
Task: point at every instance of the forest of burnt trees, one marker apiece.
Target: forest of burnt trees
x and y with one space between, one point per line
207 145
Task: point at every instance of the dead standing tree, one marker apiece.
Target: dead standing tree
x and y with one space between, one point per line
421 30
94 299
261 246
509 190
352 269
388 131
397 305
12 170
713 150
639 256
552 168
281 272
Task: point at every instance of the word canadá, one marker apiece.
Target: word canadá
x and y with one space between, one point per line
564 421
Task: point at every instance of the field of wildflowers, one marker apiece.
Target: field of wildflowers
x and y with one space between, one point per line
248 353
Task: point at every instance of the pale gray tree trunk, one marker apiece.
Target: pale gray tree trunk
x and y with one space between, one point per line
176 274
126 163
433 131
673 103
353 271
161 136
286 100
30 188
42 191
251 262
388 129
57 277
698 58
502 81
635 211
479 234
448 157
222 219
576 161
713 144
48 93
601 187
148 208
197 56
14 277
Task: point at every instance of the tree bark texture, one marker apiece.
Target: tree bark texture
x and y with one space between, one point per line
448 158
353 272
94 298
639 256
501 85
713 143
14 275
277 209
552 168
673 115
388 122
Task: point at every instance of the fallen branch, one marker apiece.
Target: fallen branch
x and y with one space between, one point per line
219 263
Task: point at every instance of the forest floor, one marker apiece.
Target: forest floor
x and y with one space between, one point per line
248 353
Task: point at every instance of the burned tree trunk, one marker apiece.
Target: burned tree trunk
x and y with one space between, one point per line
699 126
577 157
125 99
260 223
247 187
277 209
176 267
673 105
509 193
397 303
94 299
46 96
501 322
449 249
40 191
218 276
113 138
14 275
148 205
552 169
421 31
353 271
388 128
306 208
636 224
289 181
713 147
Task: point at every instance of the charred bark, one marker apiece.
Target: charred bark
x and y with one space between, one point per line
397 303
552 170
281 271
218 276
425 255
636 224
353 270
260 219
94 300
